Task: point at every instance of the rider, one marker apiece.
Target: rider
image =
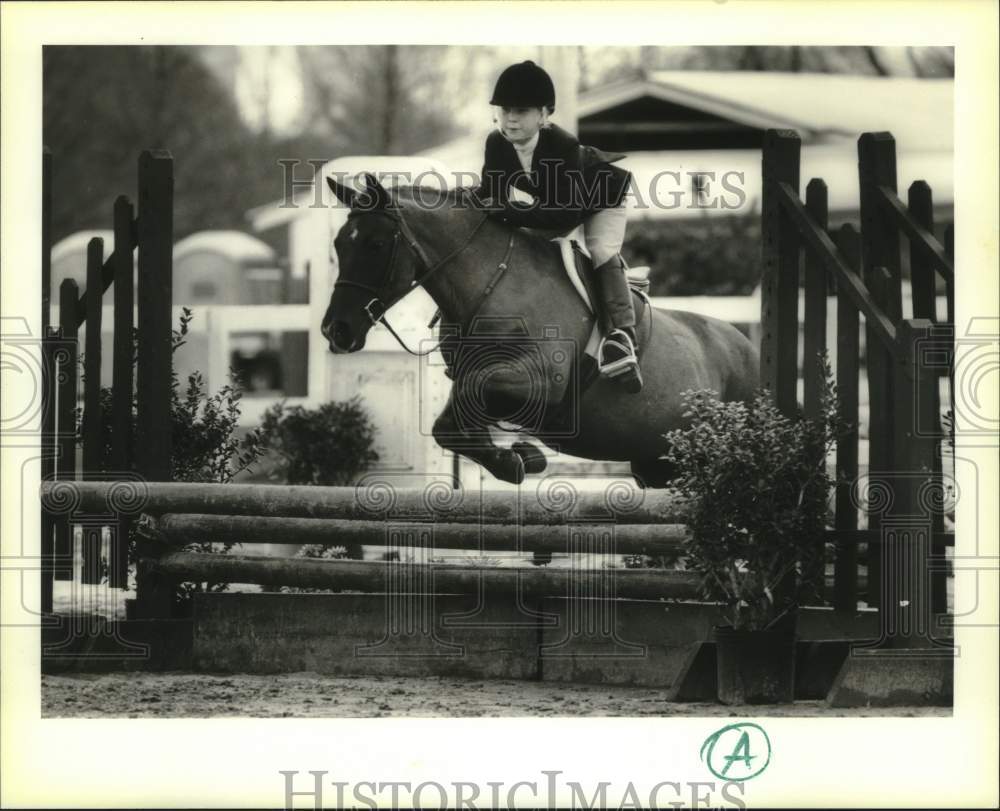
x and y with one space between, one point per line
571 184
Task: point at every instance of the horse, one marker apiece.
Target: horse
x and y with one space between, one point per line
515 332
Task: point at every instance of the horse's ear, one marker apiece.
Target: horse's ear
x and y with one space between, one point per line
344 194
376 192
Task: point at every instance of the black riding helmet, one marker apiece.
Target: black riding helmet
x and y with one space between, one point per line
524 85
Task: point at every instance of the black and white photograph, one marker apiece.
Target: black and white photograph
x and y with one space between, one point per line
409 415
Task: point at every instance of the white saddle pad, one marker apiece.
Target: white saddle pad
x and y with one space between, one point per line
569 265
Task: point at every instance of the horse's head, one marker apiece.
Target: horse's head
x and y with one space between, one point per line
376 267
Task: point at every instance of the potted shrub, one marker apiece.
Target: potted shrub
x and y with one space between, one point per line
755 486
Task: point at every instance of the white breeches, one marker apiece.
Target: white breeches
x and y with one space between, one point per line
604 233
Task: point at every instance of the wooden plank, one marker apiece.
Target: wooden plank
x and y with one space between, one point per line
949 246
66 356
154 597
845 577
780 268
93 438
880 428
852 284
397 578
46 237
907 611
628 505
107 278
606 538
881 271
47 548
813 347
923 243
923 281
922 278
814 327
156 229
879 231
123 386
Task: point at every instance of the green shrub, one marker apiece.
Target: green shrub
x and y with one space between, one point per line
710 256
205 445
329 445
755 487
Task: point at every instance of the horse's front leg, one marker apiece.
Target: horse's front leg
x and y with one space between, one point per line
454 431
465 430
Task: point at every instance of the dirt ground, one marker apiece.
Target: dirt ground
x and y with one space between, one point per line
310 695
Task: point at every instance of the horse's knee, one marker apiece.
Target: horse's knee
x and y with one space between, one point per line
444 429
451 430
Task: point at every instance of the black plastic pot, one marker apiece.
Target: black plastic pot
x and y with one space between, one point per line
755 667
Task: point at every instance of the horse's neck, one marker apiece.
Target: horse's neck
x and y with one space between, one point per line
459 286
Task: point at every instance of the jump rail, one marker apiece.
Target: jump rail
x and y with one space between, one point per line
403 578
625 504
633 539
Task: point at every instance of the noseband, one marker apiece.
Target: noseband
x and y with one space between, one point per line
425 268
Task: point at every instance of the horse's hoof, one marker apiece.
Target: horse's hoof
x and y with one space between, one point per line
510 467
534 460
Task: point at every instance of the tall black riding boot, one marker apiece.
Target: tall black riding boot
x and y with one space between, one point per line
617 356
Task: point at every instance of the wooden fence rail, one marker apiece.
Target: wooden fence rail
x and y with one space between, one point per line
152 234
904 415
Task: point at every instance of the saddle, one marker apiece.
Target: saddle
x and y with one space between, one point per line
580 269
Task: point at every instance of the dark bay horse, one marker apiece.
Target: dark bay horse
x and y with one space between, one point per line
519 329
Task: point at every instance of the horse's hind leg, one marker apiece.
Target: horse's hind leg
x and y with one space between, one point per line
472 440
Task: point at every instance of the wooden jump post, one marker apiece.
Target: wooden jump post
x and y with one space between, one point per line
151 233
904 421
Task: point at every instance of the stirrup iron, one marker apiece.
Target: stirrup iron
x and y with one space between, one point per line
618 367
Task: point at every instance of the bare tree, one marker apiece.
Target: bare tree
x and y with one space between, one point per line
102 105
933 62
875 61
609 64
386 99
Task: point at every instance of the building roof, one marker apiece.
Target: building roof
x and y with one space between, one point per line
829 111
918 112
822 107
236 245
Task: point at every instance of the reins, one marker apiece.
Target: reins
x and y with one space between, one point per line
428 268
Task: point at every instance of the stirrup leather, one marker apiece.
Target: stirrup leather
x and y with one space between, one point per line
618 339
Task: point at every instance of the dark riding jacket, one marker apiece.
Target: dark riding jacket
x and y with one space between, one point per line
569 181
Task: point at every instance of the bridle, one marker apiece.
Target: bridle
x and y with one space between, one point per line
425 269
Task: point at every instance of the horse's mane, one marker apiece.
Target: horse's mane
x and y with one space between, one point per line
463 198
436 196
